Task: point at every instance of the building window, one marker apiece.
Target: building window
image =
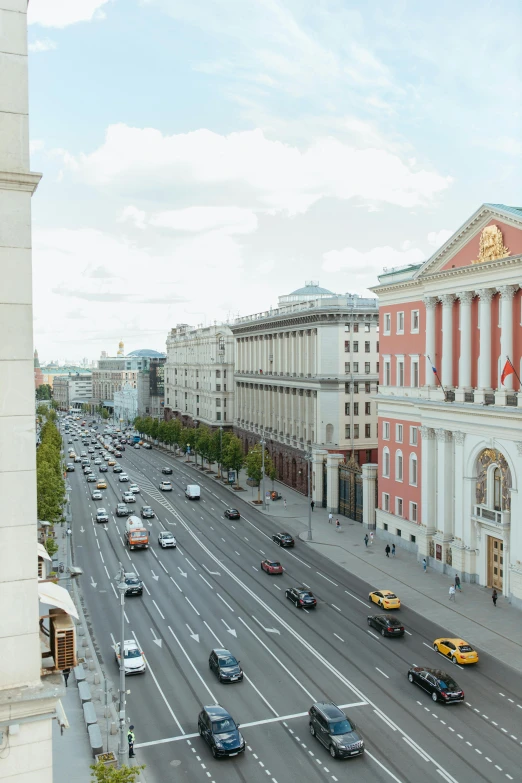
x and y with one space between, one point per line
398 433
497 490
386 462
377 346
398 466
355 388
355 346
218 373
356 327
367 327
387 372
355 431
385 501
356 366
398 508
367 387
347 388
377 367
400 372
413 436
386 430
367 408
218 403
347 367
346 408
415 373
347 431
367 430
413 517
347 327
218 416
367 347
413 470
218 387
356 409
224 373
415 321
387 323
400 322
347 346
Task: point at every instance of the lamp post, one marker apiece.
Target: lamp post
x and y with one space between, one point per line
122 747
220 451
308 458
263 444
68 490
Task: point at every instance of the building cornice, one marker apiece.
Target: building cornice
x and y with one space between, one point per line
26 181
304 318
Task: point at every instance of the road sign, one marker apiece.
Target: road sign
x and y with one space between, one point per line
231 476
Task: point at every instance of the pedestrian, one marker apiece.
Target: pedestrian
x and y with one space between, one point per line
387 550
393 550
130 740
371 538
452 593
457 583
424 564
312 504
330 517
494 597
337 525
284 502
366 539
66 673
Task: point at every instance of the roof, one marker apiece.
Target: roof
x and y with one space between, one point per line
215 711
146 352
513 210
310 290
54 595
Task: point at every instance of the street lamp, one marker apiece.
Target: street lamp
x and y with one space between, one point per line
263 444
122 747
68 490
220 450
308 458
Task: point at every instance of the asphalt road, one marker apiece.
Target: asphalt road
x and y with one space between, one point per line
210 592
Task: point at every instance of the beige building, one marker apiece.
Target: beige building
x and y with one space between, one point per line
27 704
72 390
199 375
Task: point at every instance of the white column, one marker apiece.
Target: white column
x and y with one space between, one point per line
444 483
486 294
506 333
447 340
430 303
428 475
369 479
466 297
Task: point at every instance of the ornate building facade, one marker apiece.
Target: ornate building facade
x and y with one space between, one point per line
450 418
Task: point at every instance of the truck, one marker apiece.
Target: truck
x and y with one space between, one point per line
193 492
136 438
136 536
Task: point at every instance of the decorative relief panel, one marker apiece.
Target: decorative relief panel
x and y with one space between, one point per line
491 245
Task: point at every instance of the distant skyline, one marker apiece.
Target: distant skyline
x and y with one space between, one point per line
201 159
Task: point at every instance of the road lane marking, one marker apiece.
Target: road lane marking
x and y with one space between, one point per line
418 750
260 694
207 583
356 598
180 727
374 758
192 605
159 610
325 577
215 701
341 640
222 599
381 672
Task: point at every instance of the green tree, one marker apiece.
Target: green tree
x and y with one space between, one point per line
104 414
102 774
85 407
51 415
43 392
203 443
42 411
254 466
154 428
233 457
54 405
163 432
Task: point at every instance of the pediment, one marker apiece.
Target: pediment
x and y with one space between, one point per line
493 232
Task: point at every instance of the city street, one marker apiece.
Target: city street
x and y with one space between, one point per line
211 592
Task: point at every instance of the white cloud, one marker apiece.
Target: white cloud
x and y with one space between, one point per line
62 13
364 266
437 238
249 169
35 145
230 220
42 45
134 215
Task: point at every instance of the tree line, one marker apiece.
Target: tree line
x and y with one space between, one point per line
50 484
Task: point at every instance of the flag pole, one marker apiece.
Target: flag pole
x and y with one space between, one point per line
516 373
436 375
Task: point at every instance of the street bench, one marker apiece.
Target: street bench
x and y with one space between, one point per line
79 673
84 692
95 739
89 713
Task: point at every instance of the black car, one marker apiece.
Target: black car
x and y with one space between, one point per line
232 513
121 447
301 597
134 585
103 468
91 477
437 683
167 471
387 625
220 731
70 467
283 539
225 666
122 510
117 469
147 513
338 733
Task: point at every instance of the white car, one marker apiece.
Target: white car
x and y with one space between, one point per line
101 515
136 445
134 662
134 488
124 477
98 461
97 495
166 486
166 538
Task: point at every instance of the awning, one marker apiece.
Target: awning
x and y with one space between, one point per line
42 552
54 595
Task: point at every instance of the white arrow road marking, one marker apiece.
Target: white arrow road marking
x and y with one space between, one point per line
82 530
268 630
193 635
105 528
93 583
229 629
214 573
155 638
154 575
195 670
183 573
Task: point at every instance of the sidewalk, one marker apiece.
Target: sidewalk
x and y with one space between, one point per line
497 631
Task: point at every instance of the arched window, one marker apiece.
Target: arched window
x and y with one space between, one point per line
398 465
497 489
413 470
386 462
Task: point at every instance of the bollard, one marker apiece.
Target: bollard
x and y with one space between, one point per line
84 642
90 662
114 728
80 630
96 678
88 653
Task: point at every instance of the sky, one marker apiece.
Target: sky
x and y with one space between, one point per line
200 158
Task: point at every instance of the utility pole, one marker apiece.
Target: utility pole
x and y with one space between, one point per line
122 748
263 467
309 460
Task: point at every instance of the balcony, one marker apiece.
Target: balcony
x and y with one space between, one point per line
490 516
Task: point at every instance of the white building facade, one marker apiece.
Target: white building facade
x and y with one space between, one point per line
126 404
27 704
306 377
450 422
199 376
73 390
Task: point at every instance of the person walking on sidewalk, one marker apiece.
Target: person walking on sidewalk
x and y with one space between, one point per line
424 564
130 740
66 673
284 502
330 517
452 593
494 597
366 539
337 525
393 550
371 538
312 504
457 583
387 550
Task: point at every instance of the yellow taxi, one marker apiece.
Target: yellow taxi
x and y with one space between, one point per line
101 484
111 462
457 650
385 599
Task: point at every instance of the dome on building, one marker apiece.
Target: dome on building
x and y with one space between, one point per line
121 348
311 290
147 353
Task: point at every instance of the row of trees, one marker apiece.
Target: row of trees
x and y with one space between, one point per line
212 446
43 392
50 483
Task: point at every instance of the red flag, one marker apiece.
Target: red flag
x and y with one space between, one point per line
508 370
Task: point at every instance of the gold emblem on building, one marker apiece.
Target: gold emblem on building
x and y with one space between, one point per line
491 245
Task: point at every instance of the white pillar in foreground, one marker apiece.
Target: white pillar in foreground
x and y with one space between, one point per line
484 379
466 299
447 340
430 304
506 331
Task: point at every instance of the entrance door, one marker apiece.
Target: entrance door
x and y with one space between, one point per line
495 563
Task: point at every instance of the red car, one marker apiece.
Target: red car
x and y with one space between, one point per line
271 566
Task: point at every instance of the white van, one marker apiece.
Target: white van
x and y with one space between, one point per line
193 492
